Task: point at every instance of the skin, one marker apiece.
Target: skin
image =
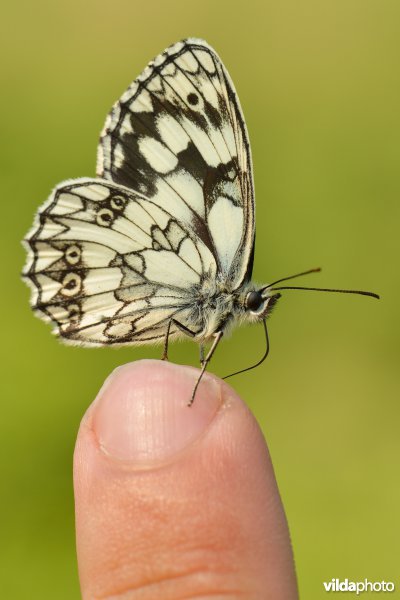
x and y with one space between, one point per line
175 502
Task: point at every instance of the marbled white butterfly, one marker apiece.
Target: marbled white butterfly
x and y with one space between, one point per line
160 244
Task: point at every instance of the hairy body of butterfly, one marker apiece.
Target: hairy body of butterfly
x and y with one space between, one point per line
160 244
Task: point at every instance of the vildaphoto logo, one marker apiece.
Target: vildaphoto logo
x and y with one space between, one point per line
336 585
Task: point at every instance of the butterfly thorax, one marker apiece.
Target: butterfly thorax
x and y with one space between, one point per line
213 303
218 307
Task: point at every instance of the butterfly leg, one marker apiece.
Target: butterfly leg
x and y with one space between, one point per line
207 359
201 348
183 328
165 351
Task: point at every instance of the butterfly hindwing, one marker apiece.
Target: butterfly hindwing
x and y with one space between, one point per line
178 136
108 266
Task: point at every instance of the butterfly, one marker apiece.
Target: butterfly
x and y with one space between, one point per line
160 244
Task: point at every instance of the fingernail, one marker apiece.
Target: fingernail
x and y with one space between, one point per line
141 413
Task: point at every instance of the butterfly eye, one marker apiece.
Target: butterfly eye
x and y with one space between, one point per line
253 301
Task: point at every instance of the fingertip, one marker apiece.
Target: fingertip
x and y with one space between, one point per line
141 414
173 490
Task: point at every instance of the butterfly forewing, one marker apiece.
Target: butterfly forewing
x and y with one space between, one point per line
178 136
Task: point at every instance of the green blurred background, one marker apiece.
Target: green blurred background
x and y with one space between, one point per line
319 83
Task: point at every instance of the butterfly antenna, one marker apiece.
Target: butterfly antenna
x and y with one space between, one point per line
314 289
260 361
316 270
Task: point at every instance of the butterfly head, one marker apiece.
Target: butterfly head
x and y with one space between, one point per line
259 303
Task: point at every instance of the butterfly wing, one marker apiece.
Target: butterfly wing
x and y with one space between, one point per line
178 136
108 266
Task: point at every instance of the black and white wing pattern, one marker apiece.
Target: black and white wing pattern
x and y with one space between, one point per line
170 218
108 266
178 136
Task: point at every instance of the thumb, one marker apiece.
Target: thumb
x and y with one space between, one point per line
177 502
